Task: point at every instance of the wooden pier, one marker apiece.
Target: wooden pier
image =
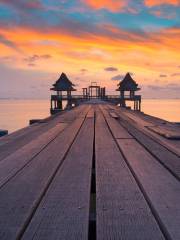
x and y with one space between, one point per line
95 172
64 88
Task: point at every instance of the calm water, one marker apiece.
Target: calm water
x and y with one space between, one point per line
15 114
168 109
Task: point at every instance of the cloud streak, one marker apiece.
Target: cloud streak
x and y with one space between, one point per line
162 75
110 69
23 5
118 77
8 43
152 3
32 60
175 74
111 5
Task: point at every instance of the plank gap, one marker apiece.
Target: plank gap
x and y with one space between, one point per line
92 210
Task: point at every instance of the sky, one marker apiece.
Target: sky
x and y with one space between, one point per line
91 41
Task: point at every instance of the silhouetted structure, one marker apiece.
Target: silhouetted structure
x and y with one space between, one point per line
3 132
129 86
63 84
94 91
85 93
95 87
103 93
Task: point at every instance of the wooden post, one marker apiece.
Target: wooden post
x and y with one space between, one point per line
51 104
140 105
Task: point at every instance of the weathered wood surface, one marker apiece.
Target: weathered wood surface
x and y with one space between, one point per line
167 131
64 211
48 189
145 122
161 188
16 140
117 129
156 182
20 196
168 158
122 212
10 165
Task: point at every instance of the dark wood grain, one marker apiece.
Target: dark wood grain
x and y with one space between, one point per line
64 211
122 212
17 160
161 188
169 159
22 194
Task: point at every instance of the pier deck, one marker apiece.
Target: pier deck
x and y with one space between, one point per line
94 172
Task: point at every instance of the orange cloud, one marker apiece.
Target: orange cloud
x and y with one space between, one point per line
152 3
112 5
148 54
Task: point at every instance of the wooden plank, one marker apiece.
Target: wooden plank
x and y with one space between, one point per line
167 158
119 131
113 115
167 132
17 160
90 113
137 119
171 145
170 160
21 195
121 210
18 134
161 188
64 211
18 139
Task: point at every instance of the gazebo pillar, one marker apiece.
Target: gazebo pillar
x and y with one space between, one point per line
69 100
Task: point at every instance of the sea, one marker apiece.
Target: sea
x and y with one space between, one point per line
15 113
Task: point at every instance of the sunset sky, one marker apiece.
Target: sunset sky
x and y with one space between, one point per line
90 40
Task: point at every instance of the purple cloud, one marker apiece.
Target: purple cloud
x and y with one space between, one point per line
170 86
23 5
32 59
111 69
118 77
8 43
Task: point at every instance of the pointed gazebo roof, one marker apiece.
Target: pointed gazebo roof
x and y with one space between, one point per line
128 84
63 84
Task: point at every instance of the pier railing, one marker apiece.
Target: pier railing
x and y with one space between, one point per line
126 97
107 97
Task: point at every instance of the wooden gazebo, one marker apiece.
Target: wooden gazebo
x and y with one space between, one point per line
129 86
62 85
